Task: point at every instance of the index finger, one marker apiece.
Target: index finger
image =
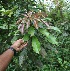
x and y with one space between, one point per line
21 41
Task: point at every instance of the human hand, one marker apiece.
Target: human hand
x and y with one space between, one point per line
19 44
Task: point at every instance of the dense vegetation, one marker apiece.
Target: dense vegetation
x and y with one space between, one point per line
45 27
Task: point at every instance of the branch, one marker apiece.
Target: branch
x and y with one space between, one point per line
45 23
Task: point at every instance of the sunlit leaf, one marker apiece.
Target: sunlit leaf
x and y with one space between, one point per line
7 12
36 45
3 10
10 14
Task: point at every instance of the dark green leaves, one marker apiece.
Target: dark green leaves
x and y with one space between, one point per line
35 44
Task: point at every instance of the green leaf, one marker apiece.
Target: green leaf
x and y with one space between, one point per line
3 10
15 8
10 14
26 37
36 44
7 12
4 26
44 32
40 24
14 39
31 31
52 39
55 28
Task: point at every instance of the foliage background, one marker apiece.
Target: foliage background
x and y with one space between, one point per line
51 57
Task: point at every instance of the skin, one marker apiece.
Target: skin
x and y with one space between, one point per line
6 57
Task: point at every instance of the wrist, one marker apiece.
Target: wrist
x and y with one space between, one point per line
15 47
11 48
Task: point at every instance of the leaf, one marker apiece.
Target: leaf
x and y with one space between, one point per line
26 37
36 24
44 32
52 39
27 24
7 12
14 8
14 39
22 56
31 31
55 28
40 24
21 28
3 10
36 44
10 14
4 26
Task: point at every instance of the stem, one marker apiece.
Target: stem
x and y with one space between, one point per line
45 23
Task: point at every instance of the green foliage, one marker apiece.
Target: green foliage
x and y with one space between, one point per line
36 44
50 38
26 37
31 31
42 30
47 19
55 28
45 32
8 12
